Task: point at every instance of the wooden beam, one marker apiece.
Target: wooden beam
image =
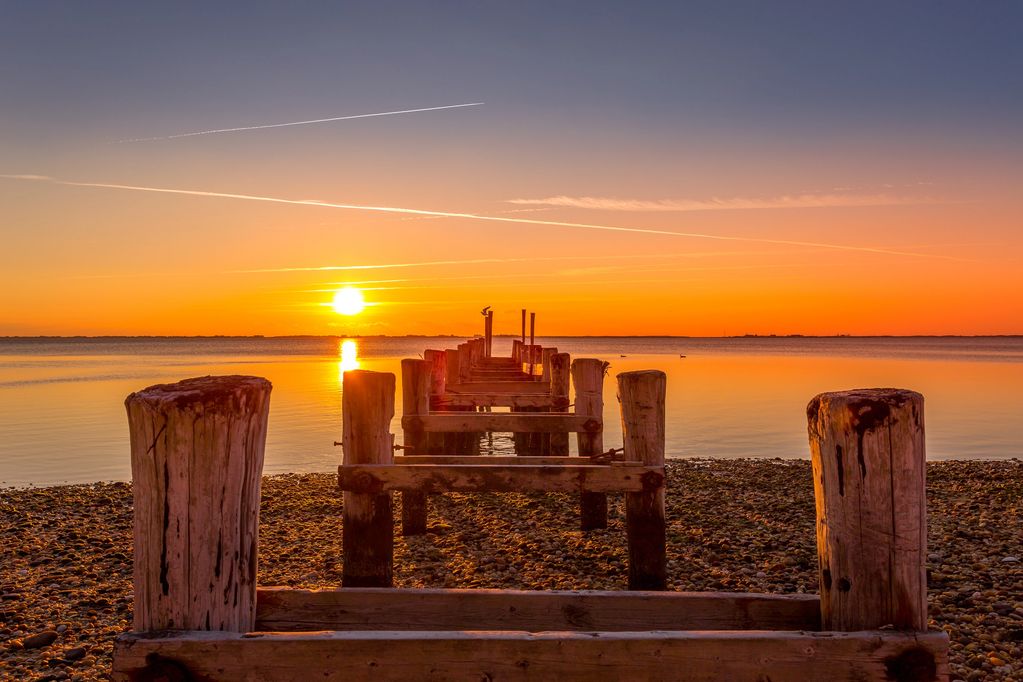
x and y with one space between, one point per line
519 387
694 656
514 460
289 610
500 400
496 478
514 422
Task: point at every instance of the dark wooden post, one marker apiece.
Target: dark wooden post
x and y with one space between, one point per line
869 463
532 341
367 406
415 401
490 333
523 326
559 368
642 405
196 465
464 362
588 377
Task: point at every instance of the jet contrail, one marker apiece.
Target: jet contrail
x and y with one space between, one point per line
301 123
476 216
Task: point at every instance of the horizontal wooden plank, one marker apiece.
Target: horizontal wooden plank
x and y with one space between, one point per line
514 422
513 400
693 656
441 478
288 610
510 460
521 387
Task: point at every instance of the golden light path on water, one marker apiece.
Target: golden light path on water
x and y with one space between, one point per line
348 357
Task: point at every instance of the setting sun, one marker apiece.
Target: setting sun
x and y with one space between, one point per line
348 301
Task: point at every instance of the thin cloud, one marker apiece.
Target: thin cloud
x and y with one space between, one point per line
496 219
301 123
716 204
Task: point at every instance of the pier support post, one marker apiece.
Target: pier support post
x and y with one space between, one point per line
489 333
559 368
588 377
869 462
416 378
367 406
532 343
196 463
642 405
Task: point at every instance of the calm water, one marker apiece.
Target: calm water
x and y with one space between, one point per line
62 416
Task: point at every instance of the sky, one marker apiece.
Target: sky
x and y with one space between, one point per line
697 168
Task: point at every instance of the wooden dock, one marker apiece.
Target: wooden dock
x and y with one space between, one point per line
197 450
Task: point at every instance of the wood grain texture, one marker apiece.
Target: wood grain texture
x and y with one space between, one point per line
417 379
709 656
289 610
512 400
513 460
560 378
519 387
642 402
588 378
868 456
197 461
516 422
367 406
438 478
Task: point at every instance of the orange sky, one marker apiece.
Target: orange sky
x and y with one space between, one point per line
864 183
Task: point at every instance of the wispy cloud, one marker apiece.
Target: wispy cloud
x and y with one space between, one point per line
301 123
487 218
716 204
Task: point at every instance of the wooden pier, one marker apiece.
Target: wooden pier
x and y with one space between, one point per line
197 451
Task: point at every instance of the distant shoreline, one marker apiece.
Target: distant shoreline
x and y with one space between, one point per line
145 337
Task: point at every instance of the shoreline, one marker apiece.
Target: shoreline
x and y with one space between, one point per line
733 525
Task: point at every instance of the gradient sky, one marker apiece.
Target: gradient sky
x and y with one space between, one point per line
778 167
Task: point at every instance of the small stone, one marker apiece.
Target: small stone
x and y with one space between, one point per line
1010 559
75 653
40 640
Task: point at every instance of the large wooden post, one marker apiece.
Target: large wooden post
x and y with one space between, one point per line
867 449
367 406
588 377
415 402
451 367
464 362
559 368
642 405
523 326
196 466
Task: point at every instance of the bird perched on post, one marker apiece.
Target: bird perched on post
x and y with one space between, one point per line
484 311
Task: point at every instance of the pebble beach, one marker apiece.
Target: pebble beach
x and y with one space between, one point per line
734 525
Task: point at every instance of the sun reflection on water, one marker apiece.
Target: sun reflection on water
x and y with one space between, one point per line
348 354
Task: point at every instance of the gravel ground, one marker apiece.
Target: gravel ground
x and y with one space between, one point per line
746 525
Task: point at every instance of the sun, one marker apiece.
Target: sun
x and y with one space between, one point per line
348 301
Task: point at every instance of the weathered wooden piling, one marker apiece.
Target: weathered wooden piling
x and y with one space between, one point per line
196 463
559 377
415 400
489 333
642 397
532 342
867 449
367 406
588 378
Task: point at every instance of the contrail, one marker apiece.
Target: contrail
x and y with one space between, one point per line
301 123
488 218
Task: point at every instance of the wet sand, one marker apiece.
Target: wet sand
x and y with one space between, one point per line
742 525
